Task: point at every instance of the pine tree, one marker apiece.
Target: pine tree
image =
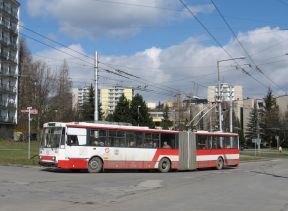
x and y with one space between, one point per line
88 107
142 117
87 110
270 119
252 127
122 110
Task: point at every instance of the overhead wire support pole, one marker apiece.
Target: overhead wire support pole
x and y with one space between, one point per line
96 87
231 110
219 100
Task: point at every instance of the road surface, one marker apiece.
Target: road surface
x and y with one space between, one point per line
252 186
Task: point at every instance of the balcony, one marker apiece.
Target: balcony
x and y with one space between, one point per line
6 119
6 88
7 8
14 13
11 105
3 103
4 55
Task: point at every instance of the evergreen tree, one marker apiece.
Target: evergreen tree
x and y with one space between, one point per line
166 123
270 119
122 110
109 118
142 117
88 107
253 123
160 106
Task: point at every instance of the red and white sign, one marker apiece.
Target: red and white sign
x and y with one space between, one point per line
32 111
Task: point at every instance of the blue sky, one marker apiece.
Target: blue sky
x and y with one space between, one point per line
163 44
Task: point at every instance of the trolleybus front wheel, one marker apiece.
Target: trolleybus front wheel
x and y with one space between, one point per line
220 163
95 165
164 165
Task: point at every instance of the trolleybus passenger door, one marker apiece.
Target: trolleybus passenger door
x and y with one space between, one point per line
187 150
76 143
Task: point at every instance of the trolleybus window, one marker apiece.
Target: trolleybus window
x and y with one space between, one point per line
155 139
72 140
168 141
139 139
216 142
130 136
151 140
97 137
203 142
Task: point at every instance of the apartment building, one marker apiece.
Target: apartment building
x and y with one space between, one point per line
9 57
109 97
227 92
248 106
79 95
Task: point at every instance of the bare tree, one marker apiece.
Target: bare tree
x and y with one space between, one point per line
62 99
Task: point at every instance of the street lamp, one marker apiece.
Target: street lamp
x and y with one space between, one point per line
219 101
138 113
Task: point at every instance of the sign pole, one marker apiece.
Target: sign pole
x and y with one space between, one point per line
29 132
30 111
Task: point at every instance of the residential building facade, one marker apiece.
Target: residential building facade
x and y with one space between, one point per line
282 102
9 60
248 105
109 97
227 92
79 95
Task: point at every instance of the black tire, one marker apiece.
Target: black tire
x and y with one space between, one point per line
220 163
164 165
95 165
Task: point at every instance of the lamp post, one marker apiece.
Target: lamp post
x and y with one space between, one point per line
219 101
138 113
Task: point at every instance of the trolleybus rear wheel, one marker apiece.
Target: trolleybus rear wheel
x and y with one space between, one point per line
164 165
95 165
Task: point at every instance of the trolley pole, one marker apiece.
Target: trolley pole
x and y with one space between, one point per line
96 87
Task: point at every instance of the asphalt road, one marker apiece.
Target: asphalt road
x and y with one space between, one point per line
252 186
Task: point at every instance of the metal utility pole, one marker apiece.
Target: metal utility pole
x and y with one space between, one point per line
231 111
219 101
96 87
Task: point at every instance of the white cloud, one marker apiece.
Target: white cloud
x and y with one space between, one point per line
96 18
179 66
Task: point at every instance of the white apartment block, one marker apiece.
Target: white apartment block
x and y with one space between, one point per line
282 102
227 93
248 106
9 57
79 96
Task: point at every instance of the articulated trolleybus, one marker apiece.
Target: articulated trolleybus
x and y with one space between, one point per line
102 145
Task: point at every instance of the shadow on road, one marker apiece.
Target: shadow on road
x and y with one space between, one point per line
145 171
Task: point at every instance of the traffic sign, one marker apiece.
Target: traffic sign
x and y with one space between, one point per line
256 140
32 111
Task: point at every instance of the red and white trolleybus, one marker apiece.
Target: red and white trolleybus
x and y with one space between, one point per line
102 145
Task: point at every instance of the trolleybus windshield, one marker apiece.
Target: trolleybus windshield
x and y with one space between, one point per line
52 137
